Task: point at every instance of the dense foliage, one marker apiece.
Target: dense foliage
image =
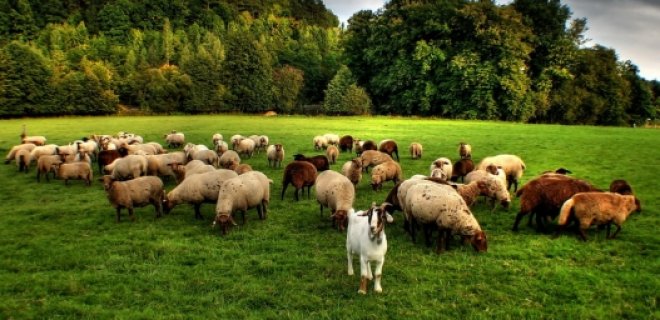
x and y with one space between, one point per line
449 58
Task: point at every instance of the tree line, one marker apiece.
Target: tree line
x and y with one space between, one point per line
452 58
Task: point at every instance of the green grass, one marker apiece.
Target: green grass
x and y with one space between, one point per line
63 256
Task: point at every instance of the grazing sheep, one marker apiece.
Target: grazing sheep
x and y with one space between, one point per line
512 165
138 192
390 147
300 174
242 193
46 165
416 150
129 149
464 150
175 139
235 140
353 170
490 187
161 165
441 205
229 160
332 139
220 147
209 157
346 143
128 167
74 171
621 187
321 162
335 191
332 153
366 237
368 145
246 147
373 158
216 138
12 153
544 196
198 189
275 155
191 168
490 171
441 168
600 208
385 171
461 168
243 168
320 142
106 157
157 147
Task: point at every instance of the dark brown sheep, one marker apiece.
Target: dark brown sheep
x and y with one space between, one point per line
368 145
545 195
390 147
461 168
300 174
106 157
321 162
621 187
346 143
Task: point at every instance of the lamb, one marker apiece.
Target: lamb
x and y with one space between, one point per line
275 155
366 237
138 192
600 208
74 171
46 165
332 153
441 168
385 171
442 205
390 147
128 167
335 191
229 160
346 143
12 153
321 162
621 187
198 189
242 193
373 158
246 147
416 150
461 168
464 150
353 170
320 142
512 165
175 139
300 174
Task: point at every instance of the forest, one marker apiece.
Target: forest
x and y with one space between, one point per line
454 59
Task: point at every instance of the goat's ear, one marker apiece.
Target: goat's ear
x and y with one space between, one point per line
364 213
388 217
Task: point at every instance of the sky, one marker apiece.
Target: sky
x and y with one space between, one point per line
630 27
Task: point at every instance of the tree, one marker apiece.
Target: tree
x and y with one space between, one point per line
287 85
24 81
344 97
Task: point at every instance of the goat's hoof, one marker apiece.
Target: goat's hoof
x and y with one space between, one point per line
362 292
378 290
350 273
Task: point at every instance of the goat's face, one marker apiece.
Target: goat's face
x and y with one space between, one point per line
479 242
377 217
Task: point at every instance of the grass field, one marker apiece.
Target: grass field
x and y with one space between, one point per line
62 255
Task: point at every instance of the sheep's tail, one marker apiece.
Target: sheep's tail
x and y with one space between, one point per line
565 212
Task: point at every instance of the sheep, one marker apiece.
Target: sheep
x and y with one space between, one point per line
191 168
243 168
23 160
464 150
416 150
320 142
207 156
235 139
332 153
46 165
257 142
321 162
263 143
106 157
335 191
216 138
128 167
366 236
12 153
89 146
161 165
36 140
601 208
353 170
300 174
461 168
385 171
332 139
390 147
397 196
441 205
357 145
441 168
198 189
192 148
229 160
175 139
246 147
74 171
346 143
275 155
39 151
242 193
478 175
132 149
512 165
138 192
373 158
621 187
490 187
220 147
368 145
545 195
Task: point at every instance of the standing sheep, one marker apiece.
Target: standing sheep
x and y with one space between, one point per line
386 171
174 139
46 165
216 138
464 150
198 189
373 158
138 192
246 147
321 162
11 155
346 143
390 147
320 142
416 150
353 170
335 191
512 165
275 154
621 187
461 168
74 171
229 160
300 174
332 153
242 193
128 167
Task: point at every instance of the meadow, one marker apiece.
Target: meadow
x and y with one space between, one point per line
62 255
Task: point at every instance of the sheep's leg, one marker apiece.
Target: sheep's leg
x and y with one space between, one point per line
131 215
283 190
441 242
583 233
519 217
618 228
260 212
264 205
296 194
118 214
379 274
309 189
428 234
413 227
198 213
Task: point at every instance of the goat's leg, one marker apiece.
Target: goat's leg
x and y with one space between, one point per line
364 279
379 274
349 258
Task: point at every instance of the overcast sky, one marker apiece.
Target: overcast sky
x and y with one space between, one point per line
630 27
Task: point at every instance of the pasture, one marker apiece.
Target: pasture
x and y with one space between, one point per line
62 255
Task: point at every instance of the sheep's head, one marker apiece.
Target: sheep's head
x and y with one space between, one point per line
479 242
494 188
357 163
108 180
225 220
299 157
439 173
340 219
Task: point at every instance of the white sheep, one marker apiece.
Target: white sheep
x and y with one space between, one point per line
332 152
23 160
74 171
353 170
229 160
275 154
441 168
246 147
331 138
39 151
220 147
335 191
207 156
386 171
235 139
465 150
217 137
46 165
198 189
11 155
36 140
138 192
477 175
193 167
242 193
320 142
263 142
175 139
366 237
128 167
416 150
138 148
512 165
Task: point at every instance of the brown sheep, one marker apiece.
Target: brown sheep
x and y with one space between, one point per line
621 187
346 143
601 208
390 147
465 150
368 145
461 169
332 153
416 150
545 195
300 174
385 171
138 192
353 170
321 162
